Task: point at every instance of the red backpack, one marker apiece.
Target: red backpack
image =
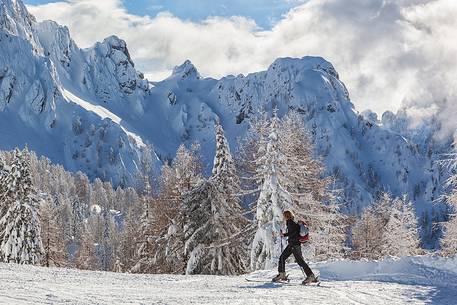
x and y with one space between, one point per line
304 232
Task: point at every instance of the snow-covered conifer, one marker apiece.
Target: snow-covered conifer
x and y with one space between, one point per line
130 236
98 196
367 234
328 230
401 237
166 216
290 178
145 255
108 243
313 201
188 168
3 188
449 240
86 255
99 244
55 250
273 198
214 240
383 208
145 171
304 171
224 170
20 227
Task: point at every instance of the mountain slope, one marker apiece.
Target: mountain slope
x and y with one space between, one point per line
91 110
38 63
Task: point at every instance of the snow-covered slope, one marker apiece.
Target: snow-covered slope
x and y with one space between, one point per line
410 280
39 68
91 110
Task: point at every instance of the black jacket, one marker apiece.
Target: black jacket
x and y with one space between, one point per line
293 232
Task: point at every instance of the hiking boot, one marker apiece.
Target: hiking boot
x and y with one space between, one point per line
280 277
310 279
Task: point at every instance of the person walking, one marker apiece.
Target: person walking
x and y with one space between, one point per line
293 247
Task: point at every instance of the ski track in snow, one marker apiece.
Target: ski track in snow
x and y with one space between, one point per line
36 285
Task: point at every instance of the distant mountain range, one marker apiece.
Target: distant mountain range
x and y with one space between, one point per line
91 110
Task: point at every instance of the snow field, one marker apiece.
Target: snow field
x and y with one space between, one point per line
409 280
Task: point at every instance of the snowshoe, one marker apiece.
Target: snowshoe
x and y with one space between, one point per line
281 277
311 280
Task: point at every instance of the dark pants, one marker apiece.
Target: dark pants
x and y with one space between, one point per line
296 251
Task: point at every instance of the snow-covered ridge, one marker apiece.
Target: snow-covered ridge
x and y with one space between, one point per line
417 280
40 65
103 113
41 62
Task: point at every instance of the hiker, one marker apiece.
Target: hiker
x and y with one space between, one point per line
293 247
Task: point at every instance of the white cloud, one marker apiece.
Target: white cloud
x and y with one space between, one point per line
389 53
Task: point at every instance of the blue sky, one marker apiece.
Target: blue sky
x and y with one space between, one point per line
265 12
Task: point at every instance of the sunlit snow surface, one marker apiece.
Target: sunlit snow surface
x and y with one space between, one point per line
102 112
413 280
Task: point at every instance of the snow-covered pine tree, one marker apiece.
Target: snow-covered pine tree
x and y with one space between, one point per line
20 227
383 208
366 236
246 154
98 196
64 217
176 180
368 232
110 195
401 237
169 199
188 168
86 256
273 198
145 171
145 252
305 173
78 210
55 250
107 244
328 229
290 178
165 237
224 171
197 229
3 188
130 237
313 202
449 240
214 239
99 243
144 255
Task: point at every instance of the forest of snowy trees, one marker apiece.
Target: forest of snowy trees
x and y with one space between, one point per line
179 221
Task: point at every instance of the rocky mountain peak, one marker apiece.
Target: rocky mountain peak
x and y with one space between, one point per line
15 18
115 43
186 71
303 64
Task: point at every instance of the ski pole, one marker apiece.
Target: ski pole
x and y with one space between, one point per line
280 235
303 271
